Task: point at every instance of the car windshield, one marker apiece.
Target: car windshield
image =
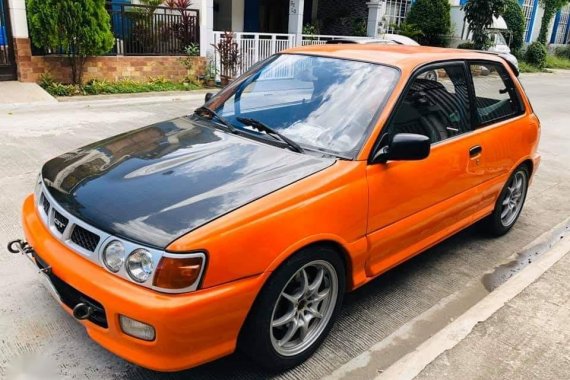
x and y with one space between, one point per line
324 104
497 38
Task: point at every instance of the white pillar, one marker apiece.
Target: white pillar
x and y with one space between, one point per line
17 9
376 10
238 10
296 19
206 27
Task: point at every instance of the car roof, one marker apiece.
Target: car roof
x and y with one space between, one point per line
402 56
362 41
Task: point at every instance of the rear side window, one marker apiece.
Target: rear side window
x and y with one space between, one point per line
495 93
436 104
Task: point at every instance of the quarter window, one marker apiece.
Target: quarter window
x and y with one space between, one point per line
436 104
495 94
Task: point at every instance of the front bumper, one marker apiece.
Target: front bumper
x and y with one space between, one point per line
191 329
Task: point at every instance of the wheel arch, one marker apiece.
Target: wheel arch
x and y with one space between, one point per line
529 164
330 243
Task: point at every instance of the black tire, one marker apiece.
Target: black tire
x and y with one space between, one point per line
495 224
257 338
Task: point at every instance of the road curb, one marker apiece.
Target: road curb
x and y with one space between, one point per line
415 358
408 367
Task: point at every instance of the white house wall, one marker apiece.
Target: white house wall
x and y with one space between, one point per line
457 22
18 18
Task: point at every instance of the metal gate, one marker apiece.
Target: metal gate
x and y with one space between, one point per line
7 59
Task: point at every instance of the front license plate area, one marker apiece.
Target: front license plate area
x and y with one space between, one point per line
46 282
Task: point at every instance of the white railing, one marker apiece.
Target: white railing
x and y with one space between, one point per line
321 39
255 47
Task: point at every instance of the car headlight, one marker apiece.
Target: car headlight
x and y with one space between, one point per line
139 265
114 256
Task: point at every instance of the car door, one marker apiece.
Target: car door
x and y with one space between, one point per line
502 128
415 204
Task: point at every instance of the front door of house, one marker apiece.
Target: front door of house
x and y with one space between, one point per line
7 59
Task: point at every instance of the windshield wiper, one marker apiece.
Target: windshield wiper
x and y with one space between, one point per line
260 126
215 115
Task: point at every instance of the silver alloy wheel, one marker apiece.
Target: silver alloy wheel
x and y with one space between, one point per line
513 200
304 308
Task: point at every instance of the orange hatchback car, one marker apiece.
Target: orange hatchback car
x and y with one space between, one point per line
244 224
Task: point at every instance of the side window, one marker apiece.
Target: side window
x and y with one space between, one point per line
436 104
495 93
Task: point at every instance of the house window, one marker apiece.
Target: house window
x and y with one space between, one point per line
528 10
396 12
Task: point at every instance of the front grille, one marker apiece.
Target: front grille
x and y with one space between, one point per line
85 239
71 296
60 222
45 204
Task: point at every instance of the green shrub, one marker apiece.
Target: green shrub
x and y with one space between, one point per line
466 46
192 50
536 55
359 27
433 19
514 17
562 51
408 30
158 84
78 28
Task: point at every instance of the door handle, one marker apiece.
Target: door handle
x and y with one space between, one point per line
475 150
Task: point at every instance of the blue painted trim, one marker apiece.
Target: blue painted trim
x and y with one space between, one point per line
532 20
463 2
3 35
555 28
566 34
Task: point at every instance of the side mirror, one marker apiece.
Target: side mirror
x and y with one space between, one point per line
404 147
208 96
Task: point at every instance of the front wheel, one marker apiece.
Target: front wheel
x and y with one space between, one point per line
295 310
509 204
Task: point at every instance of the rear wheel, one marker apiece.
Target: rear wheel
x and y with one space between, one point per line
509 204
295 310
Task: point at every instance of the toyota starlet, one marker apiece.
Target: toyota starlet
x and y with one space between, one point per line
242 225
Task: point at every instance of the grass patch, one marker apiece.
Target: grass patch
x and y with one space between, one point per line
100 87
552 62
525 67
555 62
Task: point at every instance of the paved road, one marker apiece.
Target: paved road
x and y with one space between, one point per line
34 329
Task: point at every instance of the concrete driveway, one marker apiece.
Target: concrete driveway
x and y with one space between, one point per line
33 329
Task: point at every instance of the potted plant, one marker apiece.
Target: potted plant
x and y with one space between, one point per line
211 72
189 61
228 50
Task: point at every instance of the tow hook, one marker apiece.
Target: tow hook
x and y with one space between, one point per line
22 247
82 311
